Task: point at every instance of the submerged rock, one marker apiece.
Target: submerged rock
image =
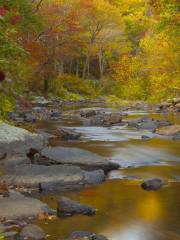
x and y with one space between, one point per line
79 235
75 156
61 177
68 207
17 206
67 134
32 232
152 184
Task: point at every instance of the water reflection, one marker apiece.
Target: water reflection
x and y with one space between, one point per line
125 211
122 206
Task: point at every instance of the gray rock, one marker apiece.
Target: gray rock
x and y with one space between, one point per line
11 235
144 137
75 156
17 140
177 106
30 118
86 235
112 118
152 184
40 101
94 177
104 119
88 112
17 206
2 228
61 177
169 130
147 123
67 134
13 160
176 100
164 105
151 126
176 136
67 207
32 232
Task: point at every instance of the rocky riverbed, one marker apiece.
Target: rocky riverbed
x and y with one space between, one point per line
116 163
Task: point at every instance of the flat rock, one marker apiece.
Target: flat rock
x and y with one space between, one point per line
17 206
17 140
68 207
59 177
169 130
75 156
32 232
13 160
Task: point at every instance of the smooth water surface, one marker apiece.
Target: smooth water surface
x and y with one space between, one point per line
125 211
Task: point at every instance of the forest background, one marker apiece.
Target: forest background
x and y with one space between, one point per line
78 49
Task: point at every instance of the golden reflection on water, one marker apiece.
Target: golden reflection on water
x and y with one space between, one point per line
123 209
150 208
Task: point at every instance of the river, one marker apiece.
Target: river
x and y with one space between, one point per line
124 210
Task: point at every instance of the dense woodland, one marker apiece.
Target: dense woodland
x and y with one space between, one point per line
76 49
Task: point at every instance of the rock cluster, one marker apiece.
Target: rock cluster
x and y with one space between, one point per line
171 105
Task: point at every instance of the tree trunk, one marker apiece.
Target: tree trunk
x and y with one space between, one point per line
46 86
86 70
101 63
77 68
61 67
71 66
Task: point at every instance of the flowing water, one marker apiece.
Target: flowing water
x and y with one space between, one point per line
124 210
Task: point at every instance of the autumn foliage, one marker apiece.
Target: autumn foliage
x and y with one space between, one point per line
126 48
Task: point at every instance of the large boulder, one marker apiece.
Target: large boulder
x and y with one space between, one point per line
176 101
75 156
104 119
17 206
169 130
88 112
80 235
68 207
32 232
112 118
61 177
147 123
18 141
67 134
153 184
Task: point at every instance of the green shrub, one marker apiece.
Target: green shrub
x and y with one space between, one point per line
71 86
6 105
